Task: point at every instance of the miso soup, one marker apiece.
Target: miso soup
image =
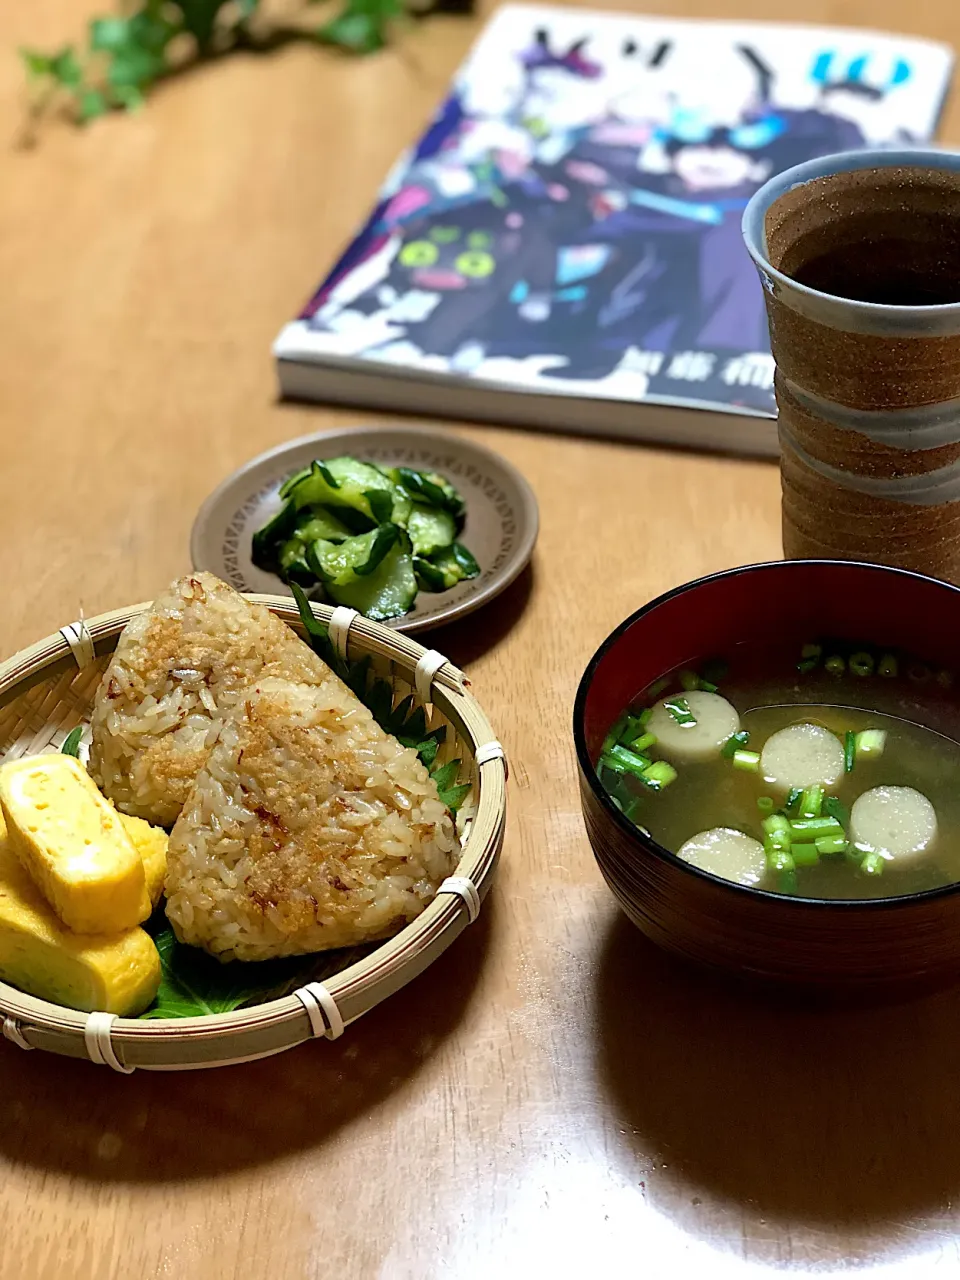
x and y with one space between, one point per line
825 774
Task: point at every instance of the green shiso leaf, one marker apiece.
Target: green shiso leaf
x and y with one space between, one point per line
194 984
71 743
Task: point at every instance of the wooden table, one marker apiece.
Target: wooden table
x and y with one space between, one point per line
555 1097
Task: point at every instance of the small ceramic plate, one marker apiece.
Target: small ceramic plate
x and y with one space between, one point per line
501 522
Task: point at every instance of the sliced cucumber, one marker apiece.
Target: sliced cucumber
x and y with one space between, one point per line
291 482
430 529
278 528
446 568
346 483
340 563
430 487
368 535
317 522
292 563
388 592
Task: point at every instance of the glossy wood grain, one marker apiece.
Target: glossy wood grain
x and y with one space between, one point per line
564 1100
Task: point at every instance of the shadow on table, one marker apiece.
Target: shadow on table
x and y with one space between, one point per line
480 633
824 1116
76 1118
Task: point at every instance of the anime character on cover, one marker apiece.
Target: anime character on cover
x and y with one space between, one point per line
577 234
469 222
674 274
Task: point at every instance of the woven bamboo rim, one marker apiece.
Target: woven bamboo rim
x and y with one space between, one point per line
258 1032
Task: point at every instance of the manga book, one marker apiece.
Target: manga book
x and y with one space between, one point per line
562 247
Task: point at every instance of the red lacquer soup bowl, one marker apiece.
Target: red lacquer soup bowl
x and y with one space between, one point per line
880 946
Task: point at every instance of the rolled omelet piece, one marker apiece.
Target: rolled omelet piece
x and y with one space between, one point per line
73 844
151 844
118 974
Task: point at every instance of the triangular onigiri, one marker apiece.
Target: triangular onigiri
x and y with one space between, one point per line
178 667
309 828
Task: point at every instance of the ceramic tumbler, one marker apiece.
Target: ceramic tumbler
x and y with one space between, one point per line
859 257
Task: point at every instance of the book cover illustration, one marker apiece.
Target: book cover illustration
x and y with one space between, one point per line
570 221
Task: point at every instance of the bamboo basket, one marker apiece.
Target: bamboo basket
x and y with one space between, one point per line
48 689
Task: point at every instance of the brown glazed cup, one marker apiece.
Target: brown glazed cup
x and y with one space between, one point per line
859 256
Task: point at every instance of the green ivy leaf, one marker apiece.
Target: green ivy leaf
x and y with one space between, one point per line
151 31
108 34
37 64
358 32
66 69
133 66
128 96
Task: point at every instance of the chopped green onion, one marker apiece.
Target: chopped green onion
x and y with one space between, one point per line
793 798
779 859
658 687
715 669
805 855
776 824
888 667
861 663
659 774
734 743
849 750
765 804
629 760
787 882
705 686
872 864
613 736
689 680
828 845
811 801
747 760
812 827
835 665
835 808
679 708
644 741
870 743
630 730
810 656
645 714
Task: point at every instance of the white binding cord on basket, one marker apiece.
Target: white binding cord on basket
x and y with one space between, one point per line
96 1036
491 750
12 1032
325 1019
428 666
464 888
80 641
338 628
